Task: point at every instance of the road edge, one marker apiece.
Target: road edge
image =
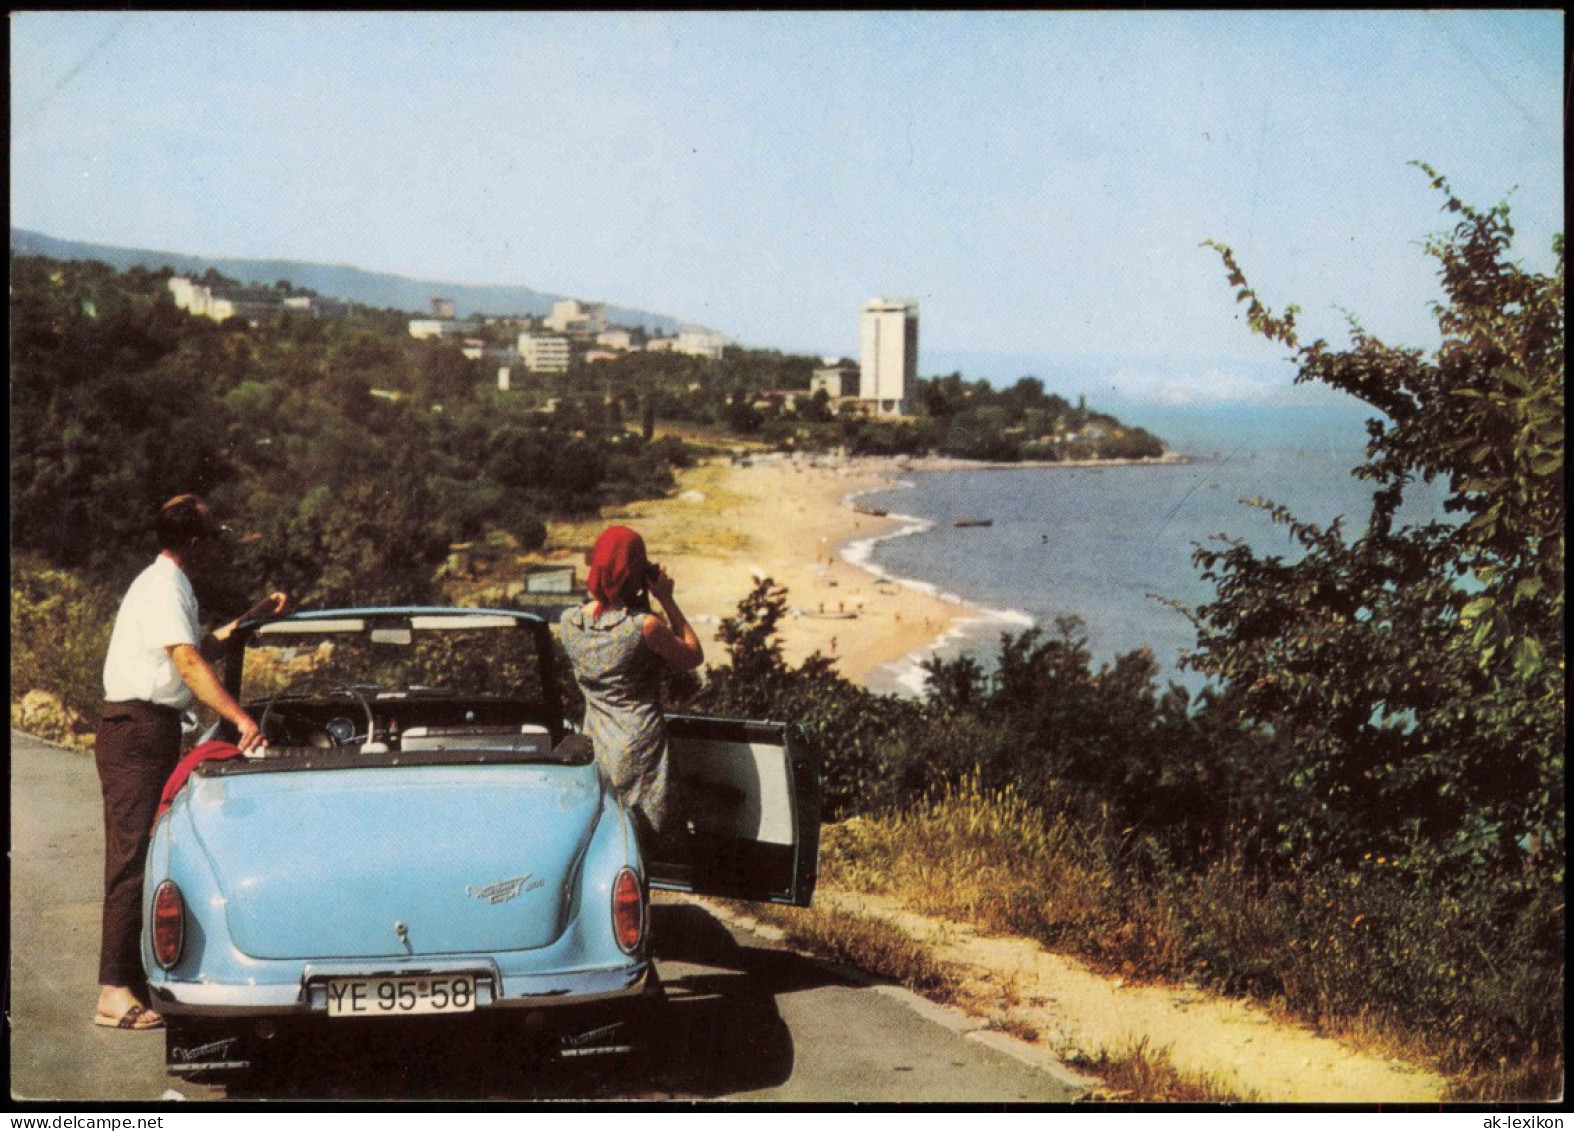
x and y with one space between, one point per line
951 1017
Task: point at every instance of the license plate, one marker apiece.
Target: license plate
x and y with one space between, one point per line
402 996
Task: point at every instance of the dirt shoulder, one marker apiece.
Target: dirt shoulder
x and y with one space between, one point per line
1073 1010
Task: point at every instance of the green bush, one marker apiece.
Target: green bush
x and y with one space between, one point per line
60 626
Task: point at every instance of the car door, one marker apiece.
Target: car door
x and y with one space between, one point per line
749 805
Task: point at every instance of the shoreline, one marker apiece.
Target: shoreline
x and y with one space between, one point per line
796 519
952 463
905 673
791 520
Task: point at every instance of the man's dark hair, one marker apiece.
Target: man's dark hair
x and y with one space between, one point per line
182 519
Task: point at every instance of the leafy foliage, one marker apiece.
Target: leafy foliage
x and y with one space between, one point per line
1416 671
1103 744
60 626
852 733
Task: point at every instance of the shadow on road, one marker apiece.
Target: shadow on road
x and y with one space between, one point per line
717 1032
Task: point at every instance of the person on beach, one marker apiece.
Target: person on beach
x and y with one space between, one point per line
617 648
158 660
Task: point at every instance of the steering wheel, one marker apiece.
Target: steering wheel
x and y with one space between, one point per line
345 690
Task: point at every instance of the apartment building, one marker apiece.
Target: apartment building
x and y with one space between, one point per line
698 342
888 354
574 317
438 327
544 354
616 339
837 377
251 303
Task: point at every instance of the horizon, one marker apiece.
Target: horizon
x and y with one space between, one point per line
1041 182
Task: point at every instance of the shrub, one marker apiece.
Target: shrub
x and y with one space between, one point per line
60 626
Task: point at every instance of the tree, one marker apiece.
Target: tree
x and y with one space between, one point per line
1417 670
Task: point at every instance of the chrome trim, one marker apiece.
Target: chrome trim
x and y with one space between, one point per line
560 989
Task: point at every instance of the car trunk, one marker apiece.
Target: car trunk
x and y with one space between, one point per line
397 861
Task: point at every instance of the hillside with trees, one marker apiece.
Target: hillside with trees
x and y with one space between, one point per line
348 454
340 282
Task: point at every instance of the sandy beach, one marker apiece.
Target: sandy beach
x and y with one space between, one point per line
786 519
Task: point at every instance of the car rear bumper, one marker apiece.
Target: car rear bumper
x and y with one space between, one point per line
307 994
230 1045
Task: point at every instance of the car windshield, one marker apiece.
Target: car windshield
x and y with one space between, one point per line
455 655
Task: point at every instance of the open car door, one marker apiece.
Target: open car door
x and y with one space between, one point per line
749 797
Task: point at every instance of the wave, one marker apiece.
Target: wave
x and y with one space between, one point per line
907 673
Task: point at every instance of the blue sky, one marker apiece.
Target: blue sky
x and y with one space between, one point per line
1040 182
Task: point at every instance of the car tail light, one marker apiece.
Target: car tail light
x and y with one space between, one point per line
169 924
628 910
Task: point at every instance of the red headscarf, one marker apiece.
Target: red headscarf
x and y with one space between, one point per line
617 566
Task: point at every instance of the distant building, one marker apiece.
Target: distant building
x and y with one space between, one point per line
542 354
205 302
442 307
317 307
616 340
253 310
660 345
888 354
251 303
191 297
438 327
837 377
698 342
574 317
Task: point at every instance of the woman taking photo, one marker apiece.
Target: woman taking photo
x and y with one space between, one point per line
618 647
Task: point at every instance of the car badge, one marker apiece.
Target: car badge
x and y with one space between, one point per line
505 890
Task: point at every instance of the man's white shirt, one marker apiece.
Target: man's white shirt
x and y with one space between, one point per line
159 611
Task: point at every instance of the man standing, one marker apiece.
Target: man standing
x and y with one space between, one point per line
158 659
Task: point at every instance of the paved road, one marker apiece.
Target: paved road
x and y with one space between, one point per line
746 1019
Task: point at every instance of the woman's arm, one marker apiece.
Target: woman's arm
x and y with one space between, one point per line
677 644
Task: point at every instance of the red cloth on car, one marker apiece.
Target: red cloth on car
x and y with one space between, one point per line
617 565
206 752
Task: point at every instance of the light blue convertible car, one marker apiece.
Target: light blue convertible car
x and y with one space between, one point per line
425 835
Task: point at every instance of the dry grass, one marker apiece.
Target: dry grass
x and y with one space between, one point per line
863 942
1137 1073
989 859
1134 1074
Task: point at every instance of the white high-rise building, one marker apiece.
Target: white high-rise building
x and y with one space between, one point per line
888 353
543 354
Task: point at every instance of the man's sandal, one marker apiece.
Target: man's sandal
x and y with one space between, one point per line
137 1017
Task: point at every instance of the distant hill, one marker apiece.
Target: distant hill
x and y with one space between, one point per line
350 284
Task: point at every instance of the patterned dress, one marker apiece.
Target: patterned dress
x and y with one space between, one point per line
621 679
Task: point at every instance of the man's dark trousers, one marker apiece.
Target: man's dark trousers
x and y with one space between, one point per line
136 749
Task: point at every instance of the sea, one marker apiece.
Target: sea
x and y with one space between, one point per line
1112 546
